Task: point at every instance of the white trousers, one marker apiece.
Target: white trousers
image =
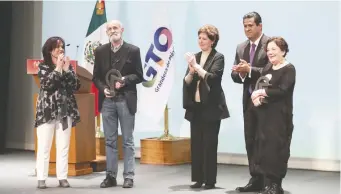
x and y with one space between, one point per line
45 133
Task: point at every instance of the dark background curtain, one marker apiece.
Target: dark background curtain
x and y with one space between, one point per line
5 49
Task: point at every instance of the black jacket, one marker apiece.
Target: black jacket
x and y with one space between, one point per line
129 65
212 95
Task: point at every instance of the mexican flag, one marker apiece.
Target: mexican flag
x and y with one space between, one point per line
95 37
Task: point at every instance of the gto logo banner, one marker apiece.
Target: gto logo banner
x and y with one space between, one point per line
159 60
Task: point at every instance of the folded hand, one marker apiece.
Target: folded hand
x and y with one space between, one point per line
257 93
257 101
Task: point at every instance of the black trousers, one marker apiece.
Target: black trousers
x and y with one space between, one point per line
250 128
204 145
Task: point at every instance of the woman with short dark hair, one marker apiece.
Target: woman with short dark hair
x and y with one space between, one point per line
56 110
273 111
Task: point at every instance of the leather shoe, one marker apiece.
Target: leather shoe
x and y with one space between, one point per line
128 183
274 188
196 185
41 184
209 186
109 181
64 183
250 187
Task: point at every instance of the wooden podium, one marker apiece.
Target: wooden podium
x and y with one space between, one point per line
82 141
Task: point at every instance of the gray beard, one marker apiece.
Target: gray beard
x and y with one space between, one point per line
113 40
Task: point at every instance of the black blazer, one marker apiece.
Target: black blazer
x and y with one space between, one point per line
260 60
212 95
129 65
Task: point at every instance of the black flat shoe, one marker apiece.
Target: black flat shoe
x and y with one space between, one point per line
209 186
196 185
250 187
272 189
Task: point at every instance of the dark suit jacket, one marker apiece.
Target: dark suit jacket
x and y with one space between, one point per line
212 95
129 65
260 60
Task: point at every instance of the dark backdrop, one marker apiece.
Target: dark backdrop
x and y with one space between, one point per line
5 49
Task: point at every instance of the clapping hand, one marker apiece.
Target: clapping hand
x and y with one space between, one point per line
60 63
242 67
190 58
66 64
192 62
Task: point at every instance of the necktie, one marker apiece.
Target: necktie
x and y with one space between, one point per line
252 54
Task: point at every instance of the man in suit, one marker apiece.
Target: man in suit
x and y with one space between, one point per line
124 57
249 61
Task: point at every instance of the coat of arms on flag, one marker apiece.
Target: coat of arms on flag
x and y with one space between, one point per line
89 49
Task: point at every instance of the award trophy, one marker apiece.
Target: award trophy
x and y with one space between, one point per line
111 78
263 83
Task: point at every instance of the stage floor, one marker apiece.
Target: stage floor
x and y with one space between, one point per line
17 177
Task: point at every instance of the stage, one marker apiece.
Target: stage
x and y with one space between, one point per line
17 177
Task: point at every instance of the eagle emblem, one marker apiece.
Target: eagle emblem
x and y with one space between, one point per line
89 51
100 7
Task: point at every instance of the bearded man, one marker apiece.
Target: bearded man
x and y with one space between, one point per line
120 106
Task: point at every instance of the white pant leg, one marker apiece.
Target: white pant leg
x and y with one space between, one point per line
45 134
62 145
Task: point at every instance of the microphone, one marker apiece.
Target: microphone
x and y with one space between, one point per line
76 49
64 50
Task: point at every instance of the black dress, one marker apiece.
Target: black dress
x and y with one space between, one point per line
274 124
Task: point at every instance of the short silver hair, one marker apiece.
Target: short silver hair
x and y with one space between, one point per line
116 21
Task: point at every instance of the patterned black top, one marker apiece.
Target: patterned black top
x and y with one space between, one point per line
56 98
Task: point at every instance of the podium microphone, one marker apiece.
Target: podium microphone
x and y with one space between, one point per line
77 51
67 46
